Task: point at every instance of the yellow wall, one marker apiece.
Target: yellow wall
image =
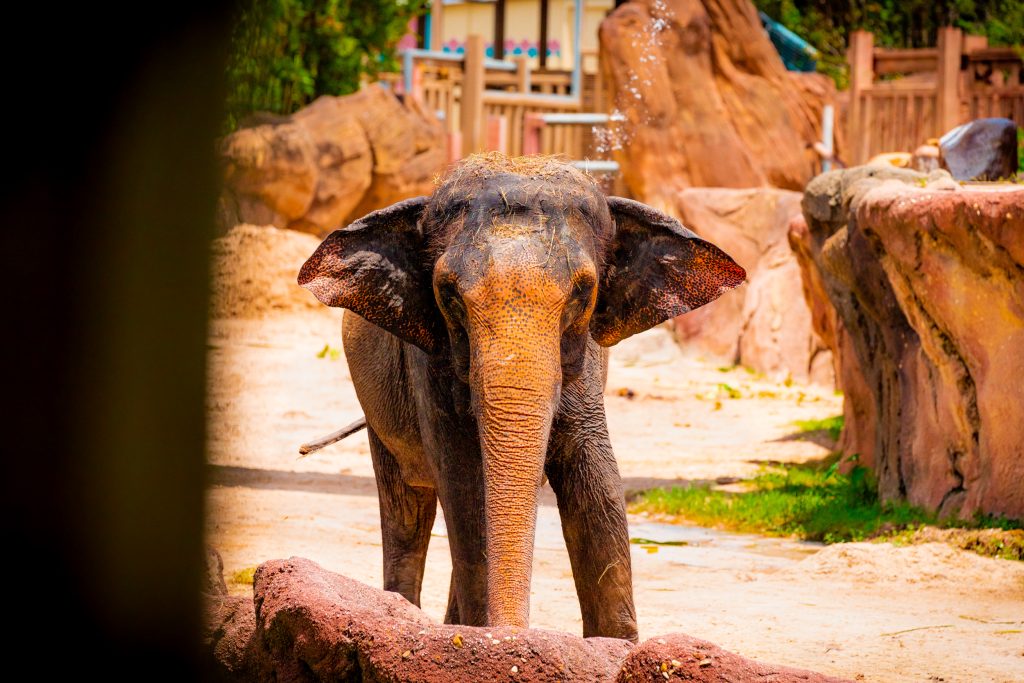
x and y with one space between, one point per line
522 22
466 18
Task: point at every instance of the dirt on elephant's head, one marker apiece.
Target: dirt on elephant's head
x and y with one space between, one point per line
492 185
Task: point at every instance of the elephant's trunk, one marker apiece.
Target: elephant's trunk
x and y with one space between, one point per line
515 385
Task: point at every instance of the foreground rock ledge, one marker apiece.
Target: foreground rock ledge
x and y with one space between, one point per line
314 625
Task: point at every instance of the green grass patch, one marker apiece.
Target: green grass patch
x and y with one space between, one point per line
329 352
731 392
821 504
832 425
244 576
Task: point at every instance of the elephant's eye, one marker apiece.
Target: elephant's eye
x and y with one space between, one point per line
450 301
579 298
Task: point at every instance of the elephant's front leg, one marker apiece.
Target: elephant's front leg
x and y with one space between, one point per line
585 478
406 517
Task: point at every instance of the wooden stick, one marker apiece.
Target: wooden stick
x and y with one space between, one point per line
333 437
919 628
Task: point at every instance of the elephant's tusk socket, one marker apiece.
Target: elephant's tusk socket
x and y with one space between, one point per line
333 437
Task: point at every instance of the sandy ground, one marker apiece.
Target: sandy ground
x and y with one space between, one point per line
871 611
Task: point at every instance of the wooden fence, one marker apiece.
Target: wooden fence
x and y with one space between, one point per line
484 103
901 98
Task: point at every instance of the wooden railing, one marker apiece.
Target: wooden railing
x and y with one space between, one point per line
1005 102
921 94
506 120
485 103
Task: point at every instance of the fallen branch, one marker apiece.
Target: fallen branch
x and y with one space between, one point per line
919 628
333 437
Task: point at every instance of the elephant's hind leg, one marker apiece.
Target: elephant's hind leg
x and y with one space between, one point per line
406 517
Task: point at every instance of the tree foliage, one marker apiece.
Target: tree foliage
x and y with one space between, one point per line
286 53
825 24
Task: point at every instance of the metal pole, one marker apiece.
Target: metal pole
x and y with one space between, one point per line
827 138
577 68
407 72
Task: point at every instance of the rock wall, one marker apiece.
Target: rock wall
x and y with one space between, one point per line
765 323
330 163
313 625
927 283
706 100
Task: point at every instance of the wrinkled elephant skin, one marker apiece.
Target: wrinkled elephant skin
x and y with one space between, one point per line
475 330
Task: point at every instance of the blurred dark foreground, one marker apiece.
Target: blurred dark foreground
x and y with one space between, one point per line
105 232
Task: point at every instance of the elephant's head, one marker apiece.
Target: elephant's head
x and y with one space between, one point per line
505 272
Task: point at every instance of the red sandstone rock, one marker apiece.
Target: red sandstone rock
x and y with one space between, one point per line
331 162
858 436
707 101
929 286
230 624
764 324
679 657
313 625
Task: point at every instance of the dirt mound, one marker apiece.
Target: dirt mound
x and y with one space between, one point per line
937 564
254 270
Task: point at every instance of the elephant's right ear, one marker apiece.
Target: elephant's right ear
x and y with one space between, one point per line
377 267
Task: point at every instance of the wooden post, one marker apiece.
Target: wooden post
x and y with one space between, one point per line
533 124
947 80
472 104
542 44
437 25
861 58
454 146
522 74
499 29
497 134
417 82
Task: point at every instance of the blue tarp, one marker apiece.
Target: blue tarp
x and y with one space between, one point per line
797 54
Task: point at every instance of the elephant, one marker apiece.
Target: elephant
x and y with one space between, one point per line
476 331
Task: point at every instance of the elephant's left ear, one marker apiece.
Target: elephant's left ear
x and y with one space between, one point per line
377 267
655 269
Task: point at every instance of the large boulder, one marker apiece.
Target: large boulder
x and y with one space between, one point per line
706 100
330 163
983 149
764 324
927 282
314 625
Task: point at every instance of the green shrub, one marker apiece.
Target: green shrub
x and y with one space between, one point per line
286 53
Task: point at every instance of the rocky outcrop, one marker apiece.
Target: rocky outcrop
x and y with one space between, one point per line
330 163
313 625
764 324
927 282
858 436
706 100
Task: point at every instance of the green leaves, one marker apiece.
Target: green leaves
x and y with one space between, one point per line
895 23
286 53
